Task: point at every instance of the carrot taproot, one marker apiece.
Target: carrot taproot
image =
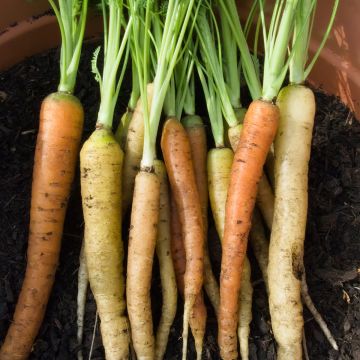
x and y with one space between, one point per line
219 170
290 213
260 246
144 220
167 273
195 129
245 314
57 146
177 156
83 282
258 132
101 163
198 315
134 149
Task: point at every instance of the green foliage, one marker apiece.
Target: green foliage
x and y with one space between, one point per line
94 67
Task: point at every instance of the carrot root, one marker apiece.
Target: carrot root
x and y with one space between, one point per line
177 155
83 281
167 273
142 243
133 150
57 146
195 129
259 130
292 149
101 163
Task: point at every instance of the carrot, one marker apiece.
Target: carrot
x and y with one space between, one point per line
292 153
288 230
134 149
177 247
144 220
260 125
167 273
198 313
57 146
234 136
259 129
175 23
265 196
177 156
101 162
197 136
83 282
245 315
219 170
260 246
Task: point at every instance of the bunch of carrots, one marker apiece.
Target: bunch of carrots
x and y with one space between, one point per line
255 174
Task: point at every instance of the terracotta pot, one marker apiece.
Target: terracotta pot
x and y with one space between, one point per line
25 32
27 28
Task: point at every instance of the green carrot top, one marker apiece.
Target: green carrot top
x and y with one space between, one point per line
299 70
116 51
71 16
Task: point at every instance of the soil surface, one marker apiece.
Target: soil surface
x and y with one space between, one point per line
332 253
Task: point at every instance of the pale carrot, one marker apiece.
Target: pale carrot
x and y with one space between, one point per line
167 273
144 220
83 282
101 163
134 150
245 307
292 148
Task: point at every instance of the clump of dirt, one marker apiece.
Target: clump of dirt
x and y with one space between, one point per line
332 255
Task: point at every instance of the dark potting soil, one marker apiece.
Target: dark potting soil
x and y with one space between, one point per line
332 251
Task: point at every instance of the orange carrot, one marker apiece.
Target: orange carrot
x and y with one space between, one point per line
57 148
177 155
259 130
198 313
195 129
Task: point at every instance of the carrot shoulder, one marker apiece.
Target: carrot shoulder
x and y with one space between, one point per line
259 130
57 147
